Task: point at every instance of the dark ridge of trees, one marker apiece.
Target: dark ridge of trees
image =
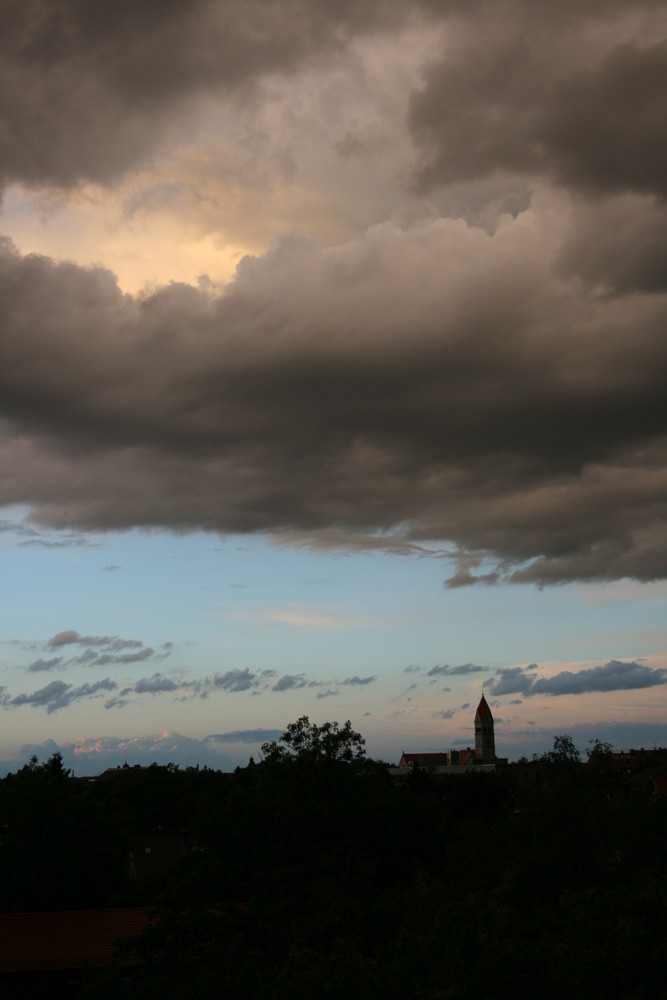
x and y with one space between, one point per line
313 873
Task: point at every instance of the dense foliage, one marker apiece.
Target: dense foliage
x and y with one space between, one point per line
314 876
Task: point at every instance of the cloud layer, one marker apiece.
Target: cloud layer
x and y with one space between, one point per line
488 374
90 91
90 651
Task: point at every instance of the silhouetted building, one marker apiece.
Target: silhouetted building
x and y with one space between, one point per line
424 761
483 757
485 741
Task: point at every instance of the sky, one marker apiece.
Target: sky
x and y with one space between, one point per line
333 370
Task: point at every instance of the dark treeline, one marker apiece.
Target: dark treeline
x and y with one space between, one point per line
316 874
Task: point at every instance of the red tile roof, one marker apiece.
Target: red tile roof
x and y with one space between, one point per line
69 939
424 758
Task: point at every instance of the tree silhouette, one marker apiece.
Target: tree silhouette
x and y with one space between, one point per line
564 752
305 741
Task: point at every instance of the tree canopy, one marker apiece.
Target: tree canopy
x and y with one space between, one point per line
564 752
305 741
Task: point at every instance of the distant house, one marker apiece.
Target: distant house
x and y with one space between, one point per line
625 762
424 761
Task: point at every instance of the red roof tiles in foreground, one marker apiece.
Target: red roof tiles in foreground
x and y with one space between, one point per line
69 939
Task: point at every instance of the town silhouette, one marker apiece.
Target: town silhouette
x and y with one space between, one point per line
317 871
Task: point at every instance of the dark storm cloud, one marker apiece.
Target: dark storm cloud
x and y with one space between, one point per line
562 92
619 246
497 391
616 675
87 90
489 404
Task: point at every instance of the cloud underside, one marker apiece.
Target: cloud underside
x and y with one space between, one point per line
489 404
492 383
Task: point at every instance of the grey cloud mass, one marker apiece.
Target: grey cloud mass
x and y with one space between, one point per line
89 90
97 651
58 694
290 681
156 684
513 680
556 397
613 676
548 92
42 664
70 637
236 680
490 380
461 670
616 675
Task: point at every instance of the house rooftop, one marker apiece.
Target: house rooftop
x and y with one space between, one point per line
66 939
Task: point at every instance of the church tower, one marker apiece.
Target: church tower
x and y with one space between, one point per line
485 742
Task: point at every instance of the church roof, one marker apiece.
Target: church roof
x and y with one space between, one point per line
483 710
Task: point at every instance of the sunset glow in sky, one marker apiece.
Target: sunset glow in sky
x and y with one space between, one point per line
333 374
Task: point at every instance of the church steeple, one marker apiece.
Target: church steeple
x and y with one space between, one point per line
485 742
